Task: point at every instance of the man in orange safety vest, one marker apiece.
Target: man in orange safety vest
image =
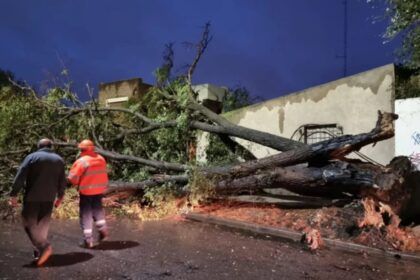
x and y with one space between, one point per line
89 174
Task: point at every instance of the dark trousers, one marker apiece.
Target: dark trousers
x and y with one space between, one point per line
91 210
36 218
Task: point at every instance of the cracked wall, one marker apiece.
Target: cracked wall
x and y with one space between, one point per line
351 102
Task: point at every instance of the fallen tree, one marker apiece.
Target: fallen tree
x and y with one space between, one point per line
327 173
149 144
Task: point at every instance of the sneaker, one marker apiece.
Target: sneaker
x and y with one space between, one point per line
46 253
103 235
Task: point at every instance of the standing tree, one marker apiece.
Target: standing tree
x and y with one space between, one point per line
404 21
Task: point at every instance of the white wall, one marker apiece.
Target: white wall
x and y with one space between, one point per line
209 91
407 129
351 102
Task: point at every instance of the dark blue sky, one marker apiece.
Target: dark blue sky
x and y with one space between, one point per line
272 47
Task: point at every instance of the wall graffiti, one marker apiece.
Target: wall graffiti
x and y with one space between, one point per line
416 137
415 159
415 156
407 129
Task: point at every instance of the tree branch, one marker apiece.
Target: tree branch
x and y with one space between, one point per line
162 165
264 138
92 118
201 47
234 146
22 151
115 186
335 148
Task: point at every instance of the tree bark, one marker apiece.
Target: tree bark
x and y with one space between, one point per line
332 180
295 202
221 126
234 146
318 153
116 186
321 177
338 179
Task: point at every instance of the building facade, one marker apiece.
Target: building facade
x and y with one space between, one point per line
346 106
116 94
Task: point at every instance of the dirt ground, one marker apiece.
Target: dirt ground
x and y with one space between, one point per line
331 222
177 249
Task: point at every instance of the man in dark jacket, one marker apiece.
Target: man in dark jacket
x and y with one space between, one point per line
42 177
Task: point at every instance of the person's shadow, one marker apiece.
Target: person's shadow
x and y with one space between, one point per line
64 259
115 245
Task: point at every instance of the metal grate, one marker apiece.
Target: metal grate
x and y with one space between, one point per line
313 133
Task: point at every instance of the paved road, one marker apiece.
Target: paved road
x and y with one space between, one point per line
183 250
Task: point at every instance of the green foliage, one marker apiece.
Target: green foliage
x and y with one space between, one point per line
163 73
8 212
201 187
137 175
5 77
26 117
157 196
407 83
404 16
217 153
134 210
238 97
69 208
156 203
169 144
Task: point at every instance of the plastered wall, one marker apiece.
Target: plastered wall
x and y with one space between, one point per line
126 88
351 102
407 129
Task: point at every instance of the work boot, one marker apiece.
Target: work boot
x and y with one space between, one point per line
88 244
103 235
36 255
45 254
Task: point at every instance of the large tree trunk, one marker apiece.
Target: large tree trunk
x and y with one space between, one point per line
318 153
319 170
218 125
294 202
321 177
327 172
392 185
116 186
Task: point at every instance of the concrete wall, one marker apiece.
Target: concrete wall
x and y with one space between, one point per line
211 96
407 129
351 102
132 88
209 91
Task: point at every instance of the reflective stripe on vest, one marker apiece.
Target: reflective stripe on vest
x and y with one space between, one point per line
92 186
95 172
84 162
73 177
94 179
